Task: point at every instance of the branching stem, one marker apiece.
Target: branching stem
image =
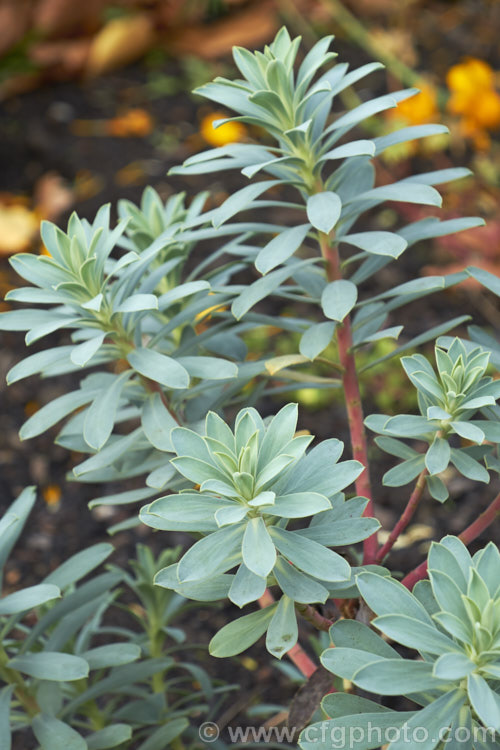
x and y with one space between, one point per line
405 517
467 536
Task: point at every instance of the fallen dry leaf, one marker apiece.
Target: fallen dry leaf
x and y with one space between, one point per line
18 226
63 59
307 699
376 7
52 196
15 18
131 174
247 28
120 42
136 123
60 17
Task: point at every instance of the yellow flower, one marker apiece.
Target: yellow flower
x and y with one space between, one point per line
470 75
230 132
474 99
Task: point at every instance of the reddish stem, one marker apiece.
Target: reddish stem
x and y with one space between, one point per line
405 517
467 536
482 522
352 396
296 654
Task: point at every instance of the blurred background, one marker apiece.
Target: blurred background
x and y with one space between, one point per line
96 104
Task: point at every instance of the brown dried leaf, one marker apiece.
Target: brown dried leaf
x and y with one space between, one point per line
62 17
120 41
62 59
14 22
376 7
307 699
247 28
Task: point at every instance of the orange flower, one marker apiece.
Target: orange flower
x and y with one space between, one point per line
52 495
474 99
136 123
230 132
417 110
420 108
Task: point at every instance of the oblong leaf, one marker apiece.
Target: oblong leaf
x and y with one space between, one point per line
51 665
240 634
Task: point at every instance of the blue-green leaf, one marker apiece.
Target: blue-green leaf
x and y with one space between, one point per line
136 303
159 367
323 210
27 598
53 734
84 352
246 587
78 565
316 339
208 556
487 279
209 368
164 735
101 414
309 556
51 665
298 586
378 243
283 632
5 698
280 248
485 702
259 554
108 737
112 655
240 634
437 457
338 299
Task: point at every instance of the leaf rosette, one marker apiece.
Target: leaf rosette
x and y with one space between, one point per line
251 484
453 622
449 401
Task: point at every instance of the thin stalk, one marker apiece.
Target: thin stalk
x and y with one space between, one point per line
11 677
357 32
297 655
314 617
352 395
482 522
467 536
405 517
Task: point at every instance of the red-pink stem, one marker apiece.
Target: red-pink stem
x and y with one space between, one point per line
405 517
467 536
352 396
482 522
